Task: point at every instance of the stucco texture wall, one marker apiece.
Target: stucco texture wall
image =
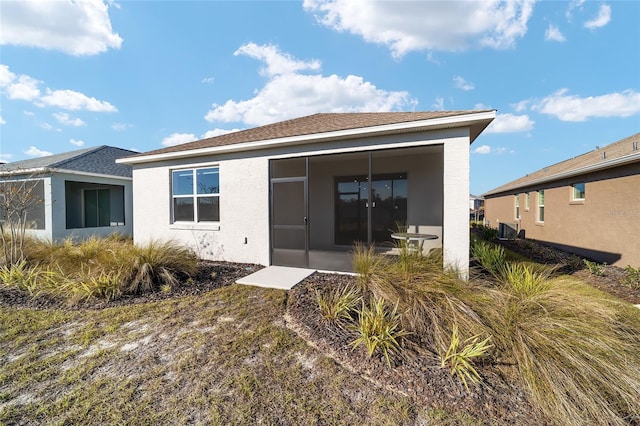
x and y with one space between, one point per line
604 227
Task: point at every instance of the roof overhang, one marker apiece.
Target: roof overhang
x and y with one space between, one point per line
608 164
39 171
476 122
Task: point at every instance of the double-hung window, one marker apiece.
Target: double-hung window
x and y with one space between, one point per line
578 192
517 206
541 206
195 195
527 201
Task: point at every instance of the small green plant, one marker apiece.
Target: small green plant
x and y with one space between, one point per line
337 305
632 279
460 360
487 233
595 268
523 281
379 328
491 257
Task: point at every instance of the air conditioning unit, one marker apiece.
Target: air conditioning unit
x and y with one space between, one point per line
507 231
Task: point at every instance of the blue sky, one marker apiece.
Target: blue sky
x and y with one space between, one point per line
564 76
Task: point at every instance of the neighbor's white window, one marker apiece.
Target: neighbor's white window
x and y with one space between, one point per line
196 195
578 191
527 201
541 206
517 206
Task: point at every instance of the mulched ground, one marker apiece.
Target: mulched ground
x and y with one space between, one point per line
496 401
610 281
210 276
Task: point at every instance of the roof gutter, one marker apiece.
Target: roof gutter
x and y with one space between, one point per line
412 126
615 162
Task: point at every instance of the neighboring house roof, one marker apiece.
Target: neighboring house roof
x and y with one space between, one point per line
97 160
616 154
326 126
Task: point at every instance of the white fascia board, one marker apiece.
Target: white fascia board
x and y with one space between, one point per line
465 120
34 173
616 162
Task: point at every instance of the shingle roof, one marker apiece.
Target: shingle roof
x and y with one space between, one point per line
312 124
98 160
607 156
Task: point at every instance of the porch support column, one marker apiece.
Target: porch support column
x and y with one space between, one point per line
455 222
370 201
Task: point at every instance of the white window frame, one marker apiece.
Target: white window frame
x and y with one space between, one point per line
540 213
574 190
517 205
527 201
194 195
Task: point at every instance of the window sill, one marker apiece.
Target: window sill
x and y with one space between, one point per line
214 226
576 202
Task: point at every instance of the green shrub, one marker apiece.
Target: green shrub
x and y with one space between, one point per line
491 257
486 232
378 328
525 282
337 305
632 278
460 360
595 268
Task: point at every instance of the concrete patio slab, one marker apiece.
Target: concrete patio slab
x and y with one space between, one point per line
280 277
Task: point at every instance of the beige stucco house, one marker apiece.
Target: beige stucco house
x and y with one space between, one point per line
588 205
301 192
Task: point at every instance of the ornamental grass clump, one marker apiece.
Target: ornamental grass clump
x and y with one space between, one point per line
379 328
575 352
461 357
492 257
338 305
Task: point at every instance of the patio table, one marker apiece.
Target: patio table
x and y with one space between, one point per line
410 237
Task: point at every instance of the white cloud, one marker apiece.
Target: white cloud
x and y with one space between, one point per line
217 132
427 25
35 152
289 93
76 142
603 18
26 88
574 108
461 83
28 113
2 120
80 27
73 101
178 139
121 127
208 80
553 34
277 62
509 123
65 119
18 87
482 149
439 104
521 106
573 4
49 127
481 106
4 158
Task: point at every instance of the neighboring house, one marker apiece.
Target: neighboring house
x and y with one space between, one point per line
296 193
588 205
83 192
476 207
